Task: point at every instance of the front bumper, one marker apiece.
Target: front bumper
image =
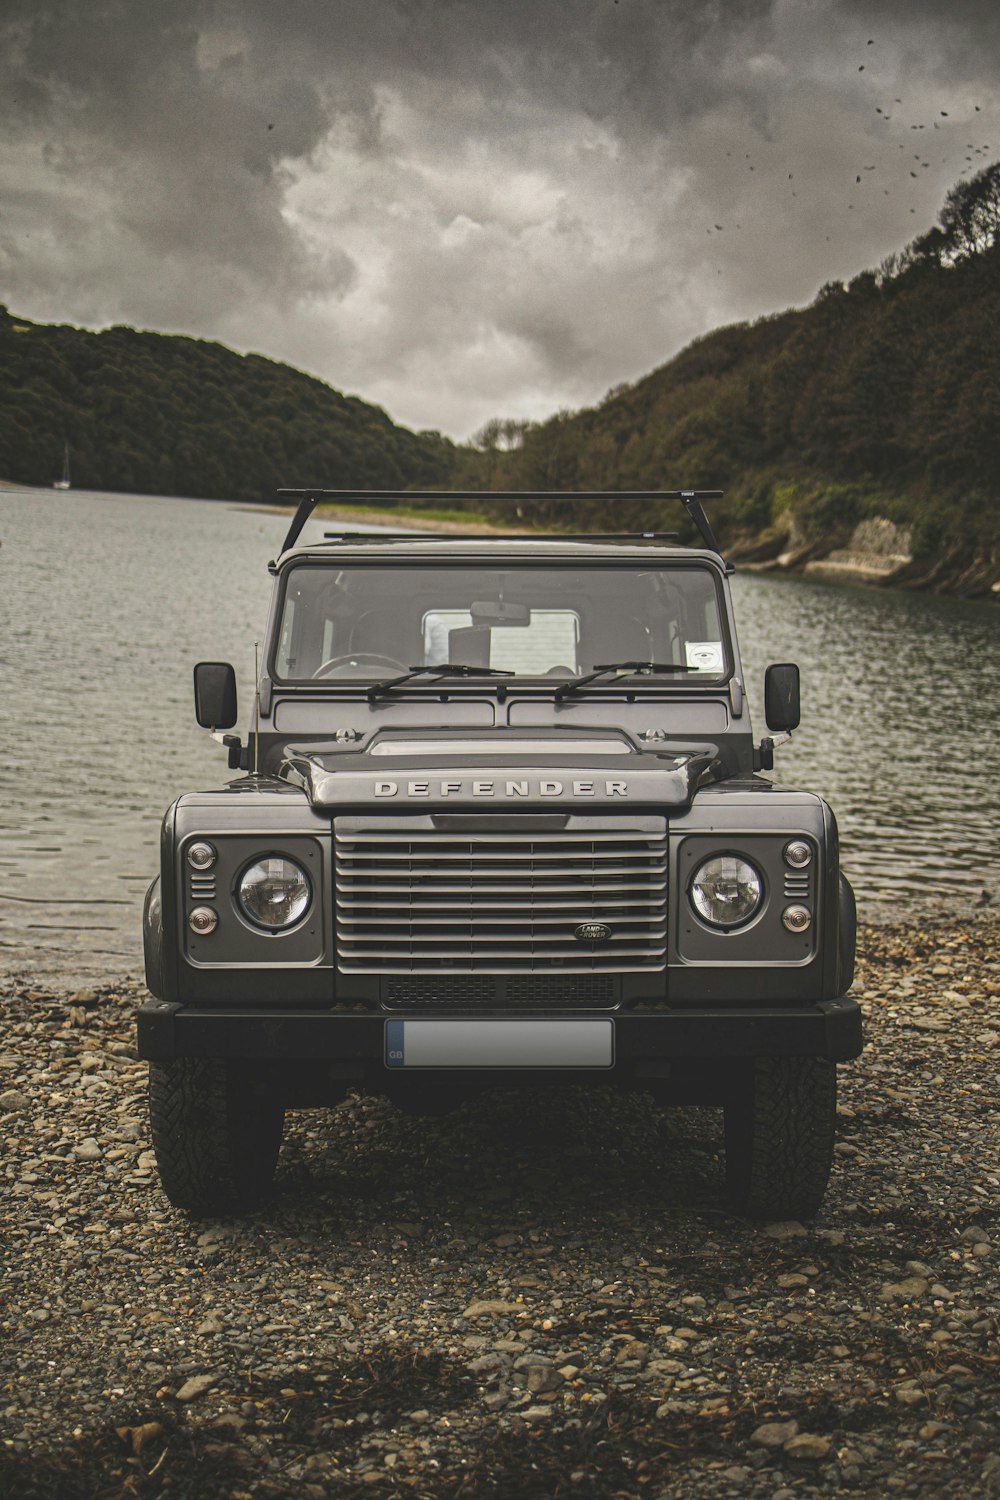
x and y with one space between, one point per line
830 1029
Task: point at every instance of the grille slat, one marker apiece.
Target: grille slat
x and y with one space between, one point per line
501 903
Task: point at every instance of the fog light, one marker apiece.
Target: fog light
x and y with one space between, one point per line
203 920
201 856
796 918
798 854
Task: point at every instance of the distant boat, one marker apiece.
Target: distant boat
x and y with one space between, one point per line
63 483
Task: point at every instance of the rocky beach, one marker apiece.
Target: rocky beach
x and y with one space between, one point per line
533 1296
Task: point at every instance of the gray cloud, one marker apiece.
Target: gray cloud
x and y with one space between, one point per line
459 208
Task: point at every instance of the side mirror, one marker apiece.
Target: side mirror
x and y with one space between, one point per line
215 695
781 696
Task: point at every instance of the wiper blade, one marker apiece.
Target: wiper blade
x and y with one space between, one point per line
380 689
624 669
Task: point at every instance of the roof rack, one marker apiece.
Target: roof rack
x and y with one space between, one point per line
309 498
503 536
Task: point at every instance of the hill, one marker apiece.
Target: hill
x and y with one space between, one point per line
868 422
858 437
153 413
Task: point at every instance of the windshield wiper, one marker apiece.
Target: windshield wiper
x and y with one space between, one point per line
623 668
380 689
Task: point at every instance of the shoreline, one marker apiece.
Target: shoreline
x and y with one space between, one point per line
840 568
476 1303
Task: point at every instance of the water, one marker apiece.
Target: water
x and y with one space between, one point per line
107 601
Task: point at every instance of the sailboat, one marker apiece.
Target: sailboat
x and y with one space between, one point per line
63 483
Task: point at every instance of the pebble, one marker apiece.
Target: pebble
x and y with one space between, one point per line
774 1434
541 1292
197 1385
807 1445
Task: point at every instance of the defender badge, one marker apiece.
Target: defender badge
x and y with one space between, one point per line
592 932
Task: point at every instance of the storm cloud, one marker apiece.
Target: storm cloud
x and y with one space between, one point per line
461 209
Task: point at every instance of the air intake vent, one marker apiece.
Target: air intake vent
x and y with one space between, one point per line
412 899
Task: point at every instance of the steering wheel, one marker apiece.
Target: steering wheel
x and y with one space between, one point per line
359 659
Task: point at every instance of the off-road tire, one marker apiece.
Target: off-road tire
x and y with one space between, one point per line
216 1133
780 1127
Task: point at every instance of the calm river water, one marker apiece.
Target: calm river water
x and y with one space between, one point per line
107 600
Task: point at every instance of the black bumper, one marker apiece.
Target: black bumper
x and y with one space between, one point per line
830 1029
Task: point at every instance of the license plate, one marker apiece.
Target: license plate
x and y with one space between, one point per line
499 1044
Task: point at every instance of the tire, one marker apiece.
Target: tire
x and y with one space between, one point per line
780 1127
216 1134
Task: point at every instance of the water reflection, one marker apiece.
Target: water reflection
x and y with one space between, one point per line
107 601
899 730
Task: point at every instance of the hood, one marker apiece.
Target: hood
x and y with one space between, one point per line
666 779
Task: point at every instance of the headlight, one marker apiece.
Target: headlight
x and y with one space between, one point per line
274 892
726 891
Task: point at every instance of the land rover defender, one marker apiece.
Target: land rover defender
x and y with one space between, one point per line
499 816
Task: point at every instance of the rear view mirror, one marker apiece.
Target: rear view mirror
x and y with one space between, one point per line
497 612
781 696
215 695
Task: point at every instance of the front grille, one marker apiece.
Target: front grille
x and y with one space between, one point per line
502 992
412 900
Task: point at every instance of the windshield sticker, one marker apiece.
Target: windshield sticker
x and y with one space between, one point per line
705 656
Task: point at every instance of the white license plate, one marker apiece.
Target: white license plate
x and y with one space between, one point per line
499 1044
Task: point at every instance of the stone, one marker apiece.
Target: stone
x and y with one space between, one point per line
491 1307
932 1430
88 1149
906 1290
910 1395
197 1385
774 1434
807 1445
785 1229
13 1099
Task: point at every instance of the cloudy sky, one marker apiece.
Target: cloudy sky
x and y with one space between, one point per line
462 209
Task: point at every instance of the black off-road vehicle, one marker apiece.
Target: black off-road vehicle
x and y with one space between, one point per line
500 818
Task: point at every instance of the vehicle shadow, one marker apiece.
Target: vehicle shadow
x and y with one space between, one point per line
514 1151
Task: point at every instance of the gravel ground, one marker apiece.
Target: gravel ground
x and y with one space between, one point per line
538 1295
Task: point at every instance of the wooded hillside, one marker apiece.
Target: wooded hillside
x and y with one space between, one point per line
155 413
880 399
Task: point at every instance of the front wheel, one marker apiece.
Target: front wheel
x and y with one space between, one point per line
216 1133
780 1126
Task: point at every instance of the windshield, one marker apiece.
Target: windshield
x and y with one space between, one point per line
366 623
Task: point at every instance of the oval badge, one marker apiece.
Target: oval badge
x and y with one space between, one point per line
592 932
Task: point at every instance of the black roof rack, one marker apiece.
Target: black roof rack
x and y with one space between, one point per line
503 536
309 498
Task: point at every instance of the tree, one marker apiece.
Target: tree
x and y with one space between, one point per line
969 222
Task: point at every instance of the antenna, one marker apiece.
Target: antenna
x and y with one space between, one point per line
256 716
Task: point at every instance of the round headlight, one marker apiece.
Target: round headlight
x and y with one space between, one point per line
274 892
726 891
